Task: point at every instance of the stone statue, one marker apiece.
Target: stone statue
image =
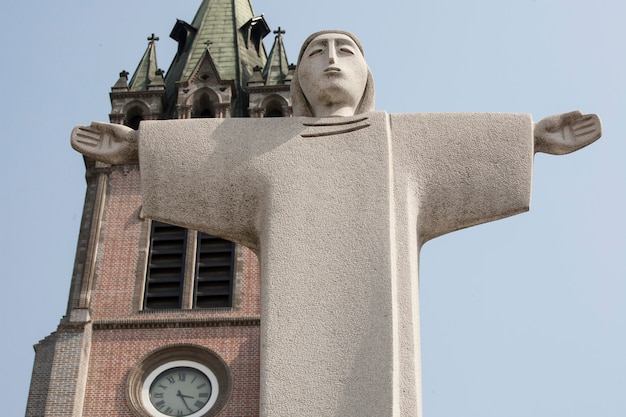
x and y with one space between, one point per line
337 202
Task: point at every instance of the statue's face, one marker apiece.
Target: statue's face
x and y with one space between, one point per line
333 74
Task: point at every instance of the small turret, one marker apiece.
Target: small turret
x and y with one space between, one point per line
143 98
268 89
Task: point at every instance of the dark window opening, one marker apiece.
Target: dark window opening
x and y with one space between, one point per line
206 114
202 108
165 278
166 267
134 117
215 262
274 113
274 109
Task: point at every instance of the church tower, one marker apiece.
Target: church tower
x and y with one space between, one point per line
161 320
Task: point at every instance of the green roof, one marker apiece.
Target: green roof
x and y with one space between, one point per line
277 67
231 35
217 27
218 24
146 73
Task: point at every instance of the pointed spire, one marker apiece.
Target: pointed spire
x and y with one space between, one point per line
235 35
146 73
122 82
277 68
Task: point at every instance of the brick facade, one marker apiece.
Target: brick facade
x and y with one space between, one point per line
40 381
94 363
116 351
124 334
82 369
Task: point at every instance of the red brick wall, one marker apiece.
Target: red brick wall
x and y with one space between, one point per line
118 257
118 247
116 349
115 352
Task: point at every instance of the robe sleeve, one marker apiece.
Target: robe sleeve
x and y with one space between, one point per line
192 173
463 169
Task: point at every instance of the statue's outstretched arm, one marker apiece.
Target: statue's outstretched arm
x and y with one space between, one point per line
106 142
565 133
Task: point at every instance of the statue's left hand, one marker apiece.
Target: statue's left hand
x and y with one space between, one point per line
568 132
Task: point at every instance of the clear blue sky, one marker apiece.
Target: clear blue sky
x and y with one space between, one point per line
520 317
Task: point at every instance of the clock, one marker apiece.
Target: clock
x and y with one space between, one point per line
179 380
180 388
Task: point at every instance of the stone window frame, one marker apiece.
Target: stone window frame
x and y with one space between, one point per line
189 278
274 103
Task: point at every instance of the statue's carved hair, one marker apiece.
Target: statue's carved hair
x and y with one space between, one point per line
300 104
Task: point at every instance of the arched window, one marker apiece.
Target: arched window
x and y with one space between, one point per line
206 114
274 107
202 107
274 112
133 117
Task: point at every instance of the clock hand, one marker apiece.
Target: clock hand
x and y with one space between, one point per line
182 397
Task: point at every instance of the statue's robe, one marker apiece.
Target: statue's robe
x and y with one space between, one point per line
337 210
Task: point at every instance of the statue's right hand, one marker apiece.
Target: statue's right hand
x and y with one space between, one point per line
106 142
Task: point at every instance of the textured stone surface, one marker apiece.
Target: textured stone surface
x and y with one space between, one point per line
336 209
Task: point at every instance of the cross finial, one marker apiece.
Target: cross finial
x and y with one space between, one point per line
208 43
153 38
279 31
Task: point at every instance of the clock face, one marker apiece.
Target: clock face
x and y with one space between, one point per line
180 391
180 388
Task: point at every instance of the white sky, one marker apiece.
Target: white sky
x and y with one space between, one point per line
524 316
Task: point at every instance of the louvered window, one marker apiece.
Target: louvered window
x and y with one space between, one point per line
212 274
166 267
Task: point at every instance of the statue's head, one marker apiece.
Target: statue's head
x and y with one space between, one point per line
332 77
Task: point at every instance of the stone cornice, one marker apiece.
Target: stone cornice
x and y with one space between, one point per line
262 89
137 94
174 322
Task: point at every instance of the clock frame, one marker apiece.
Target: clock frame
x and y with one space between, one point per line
195 360
180 388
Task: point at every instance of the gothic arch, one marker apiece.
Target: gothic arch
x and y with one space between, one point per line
274 105
204 102
135 112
